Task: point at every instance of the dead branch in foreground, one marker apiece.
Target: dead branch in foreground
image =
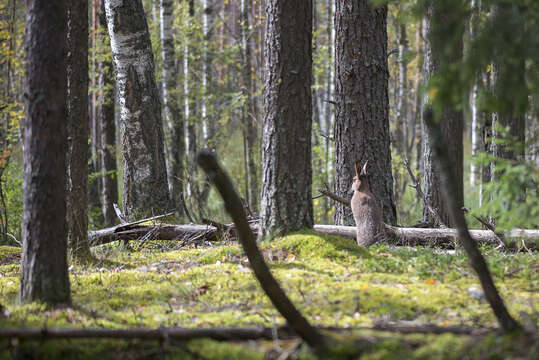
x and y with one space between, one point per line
221 334
477 261
234 206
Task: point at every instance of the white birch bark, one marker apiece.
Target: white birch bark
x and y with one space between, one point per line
145 185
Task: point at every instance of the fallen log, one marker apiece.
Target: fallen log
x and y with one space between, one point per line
221 334
442 236
445 237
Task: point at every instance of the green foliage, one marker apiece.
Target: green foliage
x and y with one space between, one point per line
12 187
511 198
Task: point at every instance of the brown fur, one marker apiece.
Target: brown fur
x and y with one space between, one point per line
367 212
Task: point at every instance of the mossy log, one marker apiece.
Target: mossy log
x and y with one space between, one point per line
444 237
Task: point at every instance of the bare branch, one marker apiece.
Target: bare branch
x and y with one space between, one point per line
208 162
417 186
477 260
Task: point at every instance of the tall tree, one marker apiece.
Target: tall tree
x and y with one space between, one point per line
509 84
78 128
106 125
44 274
249 108
443 30
286 148
208 125
145 186
173 116
362 105
476 114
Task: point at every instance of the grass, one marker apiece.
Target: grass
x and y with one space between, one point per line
331 280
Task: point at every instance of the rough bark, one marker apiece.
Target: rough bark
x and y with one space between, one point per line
269 284
509 87
249 110
286 151
477 261
437 58
145 186
44 275
78 128
173 116
362 105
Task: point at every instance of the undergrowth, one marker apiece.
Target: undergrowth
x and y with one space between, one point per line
331 280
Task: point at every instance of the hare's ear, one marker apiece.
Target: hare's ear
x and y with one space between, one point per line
364 170
358 168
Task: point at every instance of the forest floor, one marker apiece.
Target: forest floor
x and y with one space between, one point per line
331 280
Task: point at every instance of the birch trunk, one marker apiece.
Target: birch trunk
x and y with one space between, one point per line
249 110
173 119
477 116
145 185
107 128
362 110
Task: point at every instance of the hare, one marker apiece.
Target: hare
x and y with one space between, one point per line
367 212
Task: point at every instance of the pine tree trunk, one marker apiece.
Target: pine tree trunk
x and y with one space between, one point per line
107 128
44 275
78 129
173 118
362 110
451 121
508 80
249 110
286 159
145 186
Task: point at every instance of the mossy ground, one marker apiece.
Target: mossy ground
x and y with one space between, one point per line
331 280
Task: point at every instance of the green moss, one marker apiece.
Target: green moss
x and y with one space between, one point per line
331 280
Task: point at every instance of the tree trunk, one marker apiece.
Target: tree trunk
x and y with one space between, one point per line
509 88
362 110
286 159
249 110
78 128
44 275
173 118
451 121
107 128
145 185
477 116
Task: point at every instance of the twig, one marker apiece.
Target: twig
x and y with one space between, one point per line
417 186
119 213
501 243
333 196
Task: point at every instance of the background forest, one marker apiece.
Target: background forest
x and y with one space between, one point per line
113 115
217 87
